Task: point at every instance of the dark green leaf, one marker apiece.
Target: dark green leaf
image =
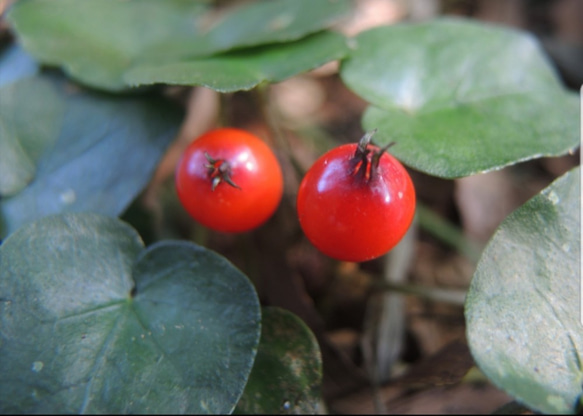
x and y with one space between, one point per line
461 97
96 154
96 42
15 64
75 337
287 374
523 307
30 112
245 69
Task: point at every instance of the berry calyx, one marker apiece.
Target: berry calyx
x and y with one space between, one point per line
219 170
367 157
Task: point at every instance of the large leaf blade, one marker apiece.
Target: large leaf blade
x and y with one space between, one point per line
261 23
444 68
522 309
97 43
96 155
16 64
22 142
244 69
75 338
481 136
455 109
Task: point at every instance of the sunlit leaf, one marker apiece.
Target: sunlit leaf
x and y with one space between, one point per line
97 42
461 97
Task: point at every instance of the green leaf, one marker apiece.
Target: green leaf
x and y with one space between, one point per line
15 64
243 70
523 306
261 23
29 123
287 374
482 136
92 152
97 42
93 323
461 97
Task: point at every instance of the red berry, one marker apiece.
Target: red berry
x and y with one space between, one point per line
229 180
356 202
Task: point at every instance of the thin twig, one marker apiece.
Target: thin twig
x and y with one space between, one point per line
452 296
448 233
272 119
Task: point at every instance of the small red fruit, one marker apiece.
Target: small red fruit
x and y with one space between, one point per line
229 180
356 202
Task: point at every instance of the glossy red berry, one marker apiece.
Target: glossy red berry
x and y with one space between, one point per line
229 180
356 202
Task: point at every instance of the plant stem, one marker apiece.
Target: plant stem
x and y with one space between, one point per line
224 109
272 119
451 296
448 233
200 235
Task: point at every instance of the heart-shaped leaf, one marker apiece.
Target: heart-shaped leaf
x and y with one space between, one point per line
92 152
97 42
243 70
93 323
461 97
287 374
523 306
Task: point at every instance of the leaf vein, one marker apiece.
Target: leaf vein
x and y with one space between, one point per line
98 362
